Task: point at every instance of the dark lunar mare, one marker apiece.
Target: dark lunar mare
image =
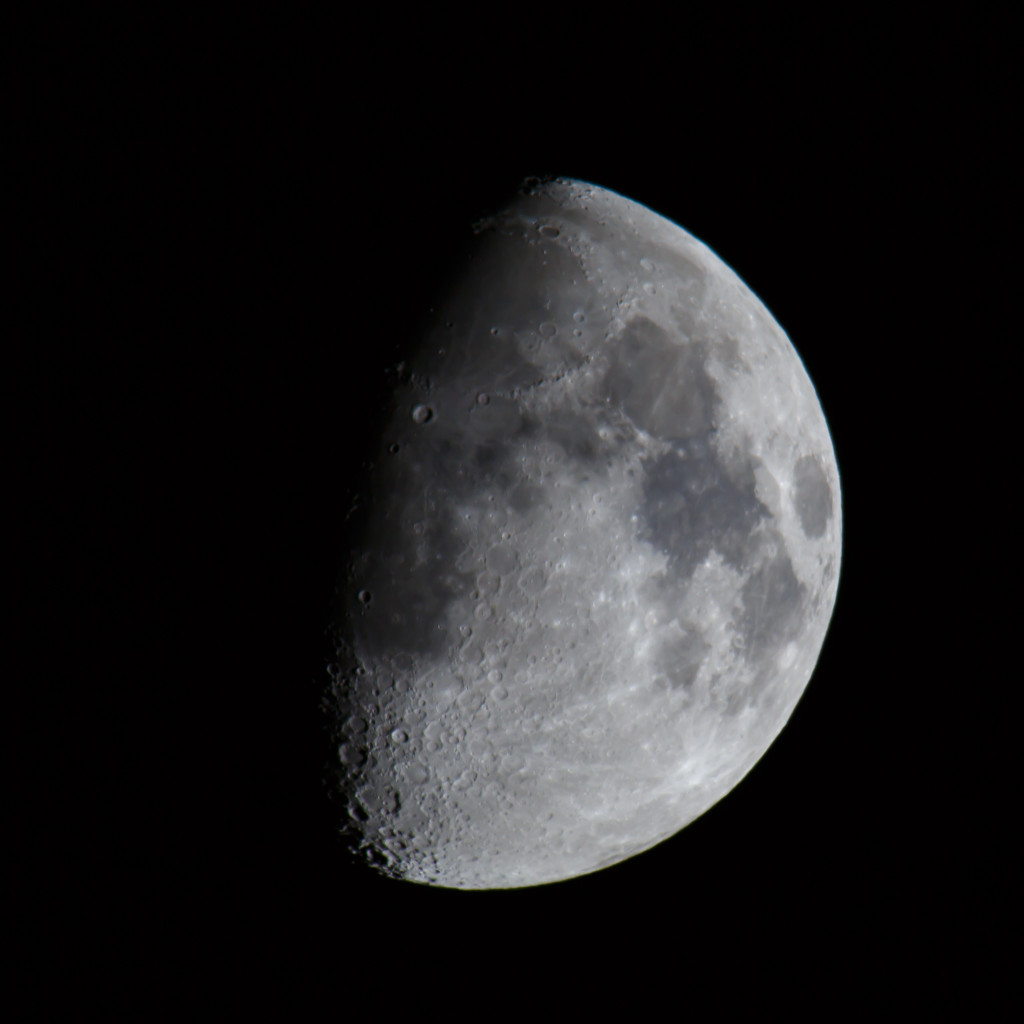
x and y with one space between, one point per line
694 502
813 496
772 602
692 506
663 387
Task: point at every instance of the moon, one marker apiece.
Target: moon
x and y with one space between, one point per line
596 559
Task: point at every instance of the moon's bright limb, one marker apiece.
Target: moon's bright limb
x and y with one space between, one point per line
601 553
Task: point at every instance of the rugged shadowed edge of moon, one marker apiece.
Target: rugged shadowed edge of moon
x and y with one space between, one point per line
600 552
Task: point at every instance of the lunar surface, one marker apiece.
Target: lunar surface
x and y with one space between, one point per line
598 556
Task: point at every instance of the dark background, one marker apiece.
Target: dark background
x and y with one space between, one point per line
232 231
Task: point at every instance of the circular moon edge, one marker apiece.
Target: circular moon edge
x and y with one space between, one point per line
598 557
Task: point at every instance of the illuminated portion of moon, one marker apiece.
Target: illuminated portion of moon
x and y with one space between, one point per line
601 552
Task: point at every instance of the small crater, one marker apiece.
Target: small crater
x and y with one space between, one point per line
422 414
351 755
501 559
488 583
548 329
473 654
365 597
470 701
548 231
532 581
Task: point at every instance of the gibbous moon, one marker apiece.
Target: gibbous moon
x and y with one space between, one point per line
598 556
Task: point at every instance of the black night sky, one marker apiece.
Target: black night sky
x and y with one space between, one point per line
231 240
